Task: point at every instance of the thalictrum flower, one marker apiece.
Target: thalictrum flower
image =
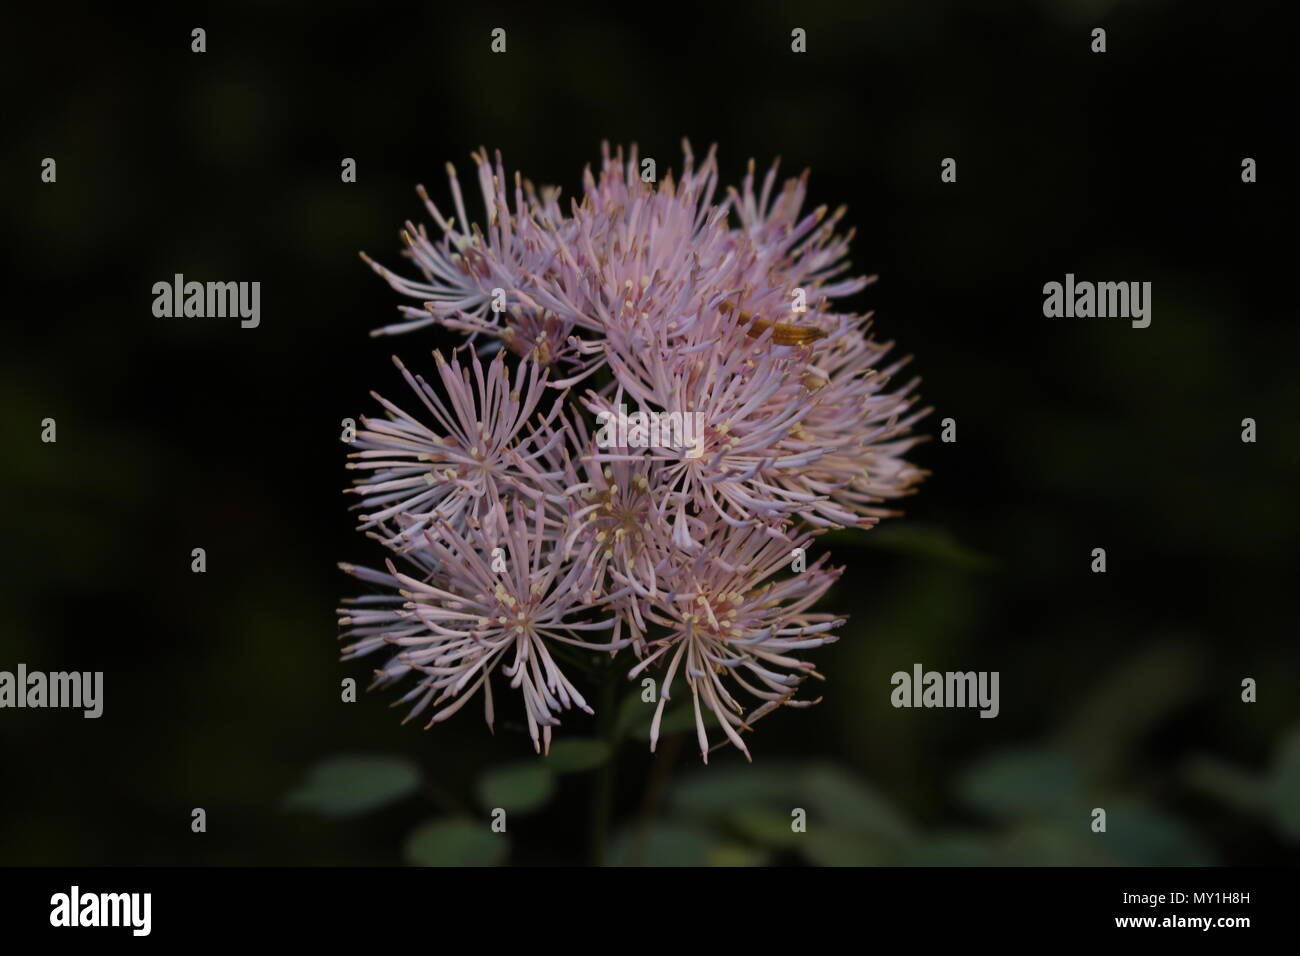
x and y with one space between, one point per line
520 529
456 628
733 616
468 457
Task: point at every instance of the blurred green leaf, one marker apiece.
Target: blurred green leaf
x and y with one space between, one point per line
765 826
1035 843
1229 785
1135 836
1013 784
1284 785
1276 793
1136 696
1142 836
350 785
664 844
517 787
718 791
845 803
828 847
734 854
952 849
574 754
452 841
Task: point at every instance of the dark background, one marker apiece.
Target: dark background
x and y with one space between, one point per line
1119 690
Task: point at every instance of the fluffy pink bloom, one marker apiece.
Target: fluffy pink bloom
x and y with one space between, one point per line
668 301
415 473
734 615
499 597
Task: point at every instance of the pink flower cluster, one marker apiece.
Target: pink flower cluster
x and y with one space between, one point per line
520 534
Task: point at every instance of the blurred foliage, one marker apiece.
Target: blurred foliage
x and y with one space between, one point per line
1273 794
1036 800
573 754
455 842
517 787
1027 805
346 786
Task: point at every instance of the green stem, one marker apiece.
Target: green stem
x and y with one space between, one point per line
669 750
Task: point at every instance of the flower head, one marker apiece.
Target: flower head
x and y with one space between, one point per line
420 476
524 531
497 598
732 619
